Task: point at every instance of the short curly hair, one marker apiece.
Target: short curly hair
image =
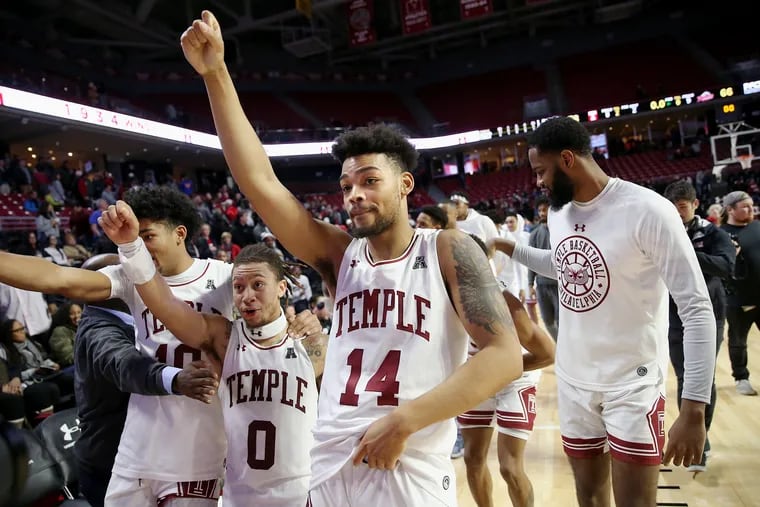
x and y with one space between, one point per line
561 133
165 204
377 138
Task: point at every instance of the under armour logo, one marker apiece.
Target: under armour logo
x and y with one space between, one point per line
419 263
210 285
354 263
257 332
68 432
241 347
580 227
291 354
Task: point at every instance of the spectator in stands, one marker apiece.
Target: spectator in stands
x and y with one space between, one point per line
95 229
268 238
55 252
19 175
203 210
31 357
57 192
79 222
30 246
75 252
432 217
47 222
300 296
716 256
743 295
243 231
108 194
31 204
205 237
19 401
219 224
186 185
542 288
228 246
65 322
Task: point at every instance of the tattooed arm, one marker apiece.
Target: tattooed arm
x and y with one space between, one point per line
481 307
316 347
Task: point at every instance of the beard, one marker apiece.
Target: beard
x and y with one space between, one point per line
381 224
561 191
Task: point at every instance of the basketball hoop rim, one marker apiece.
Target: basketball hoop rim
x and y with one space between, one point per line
745 161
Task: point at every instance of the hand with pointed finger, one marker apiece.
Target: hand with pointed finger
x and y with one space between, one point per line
203 45
120 223
303 325
197 381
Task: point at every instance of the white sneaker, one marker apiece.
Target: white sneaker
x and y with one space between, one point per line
745 388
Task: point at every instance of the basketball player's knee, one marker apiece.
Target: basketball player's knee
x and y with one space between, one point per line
511 469
475 459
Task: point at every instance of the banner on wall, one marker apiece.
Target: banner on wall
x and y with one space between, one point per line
475 8
360 18
415 16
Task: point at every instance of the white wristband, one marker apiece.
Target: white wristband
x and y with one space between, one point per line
137 262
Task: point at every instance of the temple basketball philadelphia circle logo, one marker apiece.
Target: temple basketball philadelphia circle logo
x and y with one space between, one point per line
584 279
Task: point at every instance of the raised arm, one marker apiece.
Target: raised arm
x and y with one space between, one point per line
41 275
199 330
535 340
319 244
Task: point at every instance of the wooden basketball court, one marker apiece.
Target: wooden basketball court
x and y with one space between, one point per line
732 478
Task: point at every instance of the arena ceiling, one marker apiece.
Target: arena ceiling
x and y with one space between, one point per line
131 38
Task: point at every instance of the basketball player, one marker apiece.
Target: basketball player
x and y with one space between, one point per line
107 368
405 302
450 207
268 386
171 450
515 410
432 217
617 249
470 221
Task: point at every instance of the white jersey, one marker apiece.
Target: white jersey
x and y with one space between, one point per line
173 438
612 257
269 402
395 335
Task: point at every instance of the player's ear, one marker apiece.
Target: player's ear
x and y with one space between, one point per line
180 233
407 183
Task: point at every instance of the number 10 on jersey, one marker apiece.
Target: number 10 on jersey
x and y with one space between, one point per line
383 381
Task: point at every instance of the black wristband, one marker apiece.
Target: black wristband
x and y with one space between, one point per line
174 384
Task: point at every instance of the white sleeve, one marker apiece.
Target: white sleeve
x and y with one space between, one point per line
662 237
121 286
536 259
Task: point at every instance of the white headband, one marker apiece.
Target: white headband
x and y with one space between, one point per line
459 198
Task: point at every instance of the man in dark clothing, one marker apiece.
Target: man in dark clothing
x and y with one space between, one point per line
716 256
743 294
107 368
545 291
